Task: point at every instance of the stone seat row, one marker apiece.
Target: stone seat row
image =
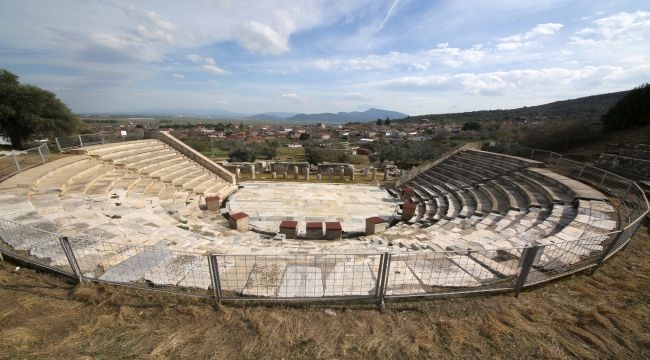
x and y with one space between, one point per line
154 159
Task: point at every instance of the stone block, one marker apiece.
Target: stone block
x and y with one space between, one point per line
375 225
314 230
333 230
288 228
408 210
213 203
239 221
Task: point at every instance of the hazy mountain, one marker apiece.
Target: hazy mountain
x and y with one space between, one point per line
272 116
343 117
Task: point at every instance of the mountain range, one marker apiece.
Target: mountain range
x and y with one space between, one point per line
371 114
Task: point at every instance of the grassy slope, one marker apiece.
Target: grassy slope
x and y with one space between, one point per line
602 316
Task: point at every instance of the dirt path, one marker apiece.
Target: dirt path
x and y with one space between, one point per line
603 316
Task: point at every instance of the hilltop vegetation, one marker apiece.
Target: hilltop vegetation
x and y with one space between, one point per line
586 109
632 110
27 111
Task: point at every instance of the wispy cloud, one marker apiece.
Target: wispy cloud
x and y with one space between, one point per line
206 64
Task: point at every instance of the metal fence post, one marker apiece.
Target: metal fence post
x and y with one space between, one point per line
13 155
58 144
214 277
527 258
40 153
532 154
81 143
600 185
382 279
65 244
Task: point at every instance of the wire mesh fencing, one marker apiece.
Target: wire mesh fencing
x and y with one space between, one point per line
157 268
33 245
66 143
445 272
79 141
298 276
23 160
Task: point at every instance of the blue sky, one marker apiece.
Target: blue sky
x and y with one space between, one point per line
413 56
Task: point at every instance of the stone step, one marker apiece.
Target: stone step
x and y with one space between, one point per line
138 266
301 281
107 148
349 278
265 278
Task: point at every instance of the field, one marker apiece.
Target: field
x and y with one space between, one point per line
603 316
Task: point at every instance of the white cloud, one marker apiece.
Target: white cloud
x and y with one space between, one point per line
421 60
518 41
292 97
206 64
504 82
617 28
178 76
261 38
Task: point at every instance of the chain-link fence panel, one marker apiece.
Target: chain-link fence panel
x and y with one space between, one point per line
298 276
447 272
142 266
33 245
563 258
8 166
151 267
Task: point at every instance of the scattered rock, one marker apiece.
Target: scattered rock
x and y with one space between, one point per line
329 312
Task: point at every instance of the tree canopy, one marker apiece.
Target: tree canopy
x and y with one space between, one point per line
27 111
632 110
242 154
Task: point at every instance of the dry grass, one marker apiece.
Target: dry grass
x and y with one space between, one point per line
604 316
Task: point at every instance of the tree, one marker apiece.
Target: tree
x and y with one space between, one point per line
379 122
304 137
314 156
387 121
270 150
27 111
471 125
632 110
242 154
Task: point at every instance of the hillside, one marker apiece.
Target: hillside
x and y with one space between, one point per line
589 109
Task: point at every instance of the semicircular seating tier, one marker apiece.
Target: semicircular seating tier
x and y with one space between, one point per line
135 212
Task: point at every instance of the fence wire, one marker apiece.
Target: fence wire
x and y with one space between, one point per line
149 267
298 276
435 273
23 160
33 245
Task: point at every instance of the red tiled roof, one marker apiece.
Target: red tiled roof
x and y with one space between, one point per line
375 220
239 215
410 205
333 225
288 224
314 225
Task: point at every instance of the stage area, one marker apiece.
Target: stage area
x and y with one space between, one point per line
269 203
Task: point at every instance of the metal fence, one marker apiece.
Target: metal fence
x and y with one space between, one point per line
331 277
79 141
19 161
